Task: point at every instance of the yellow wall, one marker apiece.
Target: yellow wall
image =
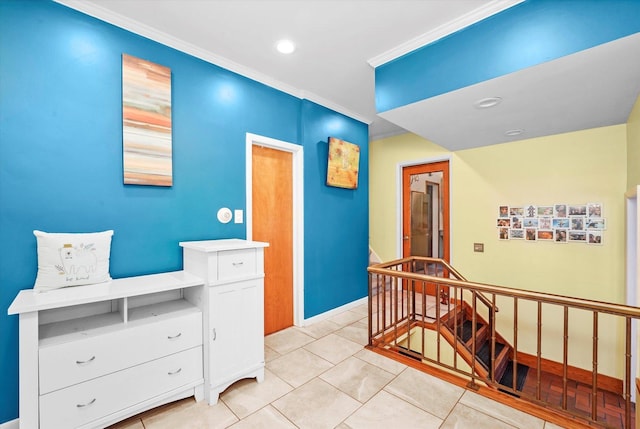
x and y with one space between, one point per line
633 177
573 168
384 156
633 146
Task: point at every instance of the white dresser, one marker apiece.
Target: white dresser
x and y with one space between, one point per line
233 271
93 355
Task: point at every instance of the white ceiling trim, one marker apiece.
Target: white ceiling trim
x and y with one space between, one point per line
333 106
188 48
483 12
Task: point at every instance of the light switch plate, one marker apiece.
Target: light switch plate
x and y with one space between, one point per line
478 247
238 216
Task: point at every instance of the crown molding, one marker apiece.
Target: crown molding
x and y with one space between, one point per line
333 106
477 15
151 33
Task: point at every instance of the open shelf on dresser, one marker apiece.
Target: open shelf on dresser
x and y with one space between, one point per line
93 355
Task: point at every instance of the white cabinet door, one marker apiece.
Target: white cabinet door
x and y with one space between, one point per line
237 330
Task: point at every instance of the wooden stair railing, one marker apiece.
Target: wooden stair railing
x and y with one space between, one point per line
397 307
478 338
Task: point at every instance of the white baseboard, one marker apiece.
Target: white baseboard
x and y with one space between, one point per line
331 313
11 424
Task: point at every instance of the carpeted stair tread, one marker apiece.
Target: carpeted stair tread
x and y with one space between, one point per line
465 331
507 377
484 353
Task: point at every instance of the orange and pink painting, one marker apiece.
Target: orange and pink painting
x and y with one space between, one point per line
146 122
344 159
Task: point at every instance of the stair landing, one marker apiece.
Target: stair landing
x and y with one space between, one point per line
610 406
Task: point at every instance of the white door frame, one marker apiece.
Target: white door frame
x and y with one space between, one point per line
399 167
298 211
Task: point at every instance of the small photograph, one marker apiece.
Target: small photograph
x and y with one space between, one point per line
516 222
516 234
578 210
594 210
577 223
561 223
594 237
580 236
516 211
503 211
530 222
545 211
545 234
503 233
560 210
544 222
595 223
530 211
530 234
560 235
502 222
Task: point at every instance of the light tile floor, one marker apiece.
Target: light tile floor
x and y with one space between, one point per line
320 376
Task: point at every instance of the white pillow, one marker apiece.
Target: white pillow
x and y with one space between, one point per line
72 259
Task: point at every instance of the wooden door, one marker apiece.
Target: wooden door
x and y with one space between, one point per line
272 200
430 182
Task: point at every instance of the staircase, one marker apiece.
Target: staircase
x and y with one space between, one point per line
465 343
456 336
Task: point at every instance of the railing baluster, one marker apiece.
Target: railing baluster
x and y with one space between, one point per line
515 344
406 317
565 357
456 306
424 315
539 354
438 290
492 325
627 376
474 319
370 309
594 380
394 304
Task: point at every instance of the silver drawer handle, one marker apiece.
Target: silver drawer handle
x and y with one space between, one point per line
175 372
215 335
174 336
87 404
235 264
84 362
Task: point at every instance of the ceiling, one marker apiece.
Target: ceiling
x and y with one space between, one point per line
340 41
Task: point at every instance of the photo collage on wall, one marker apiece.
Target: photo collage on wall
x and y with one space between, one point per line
558 223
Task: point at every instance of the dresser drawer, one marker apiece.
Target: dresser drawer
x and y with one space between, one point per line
85 402
66 364
234 264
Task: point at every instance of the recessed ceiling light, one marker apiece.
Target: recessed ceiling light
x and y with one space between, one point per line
285 46
514 132
486 103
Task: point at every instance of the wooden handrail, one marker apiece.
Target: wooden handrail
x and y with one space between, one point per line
449 268
582 303
399 278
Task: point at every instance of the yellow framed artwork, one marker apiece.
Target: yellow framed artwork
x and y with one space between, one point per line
344 160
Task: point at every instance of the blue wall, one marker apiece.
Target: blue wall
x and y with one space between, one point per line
527 34
61 162
342 214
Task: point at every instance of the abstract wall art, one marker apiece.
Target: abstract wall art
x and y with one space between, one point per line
344 160
146 123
